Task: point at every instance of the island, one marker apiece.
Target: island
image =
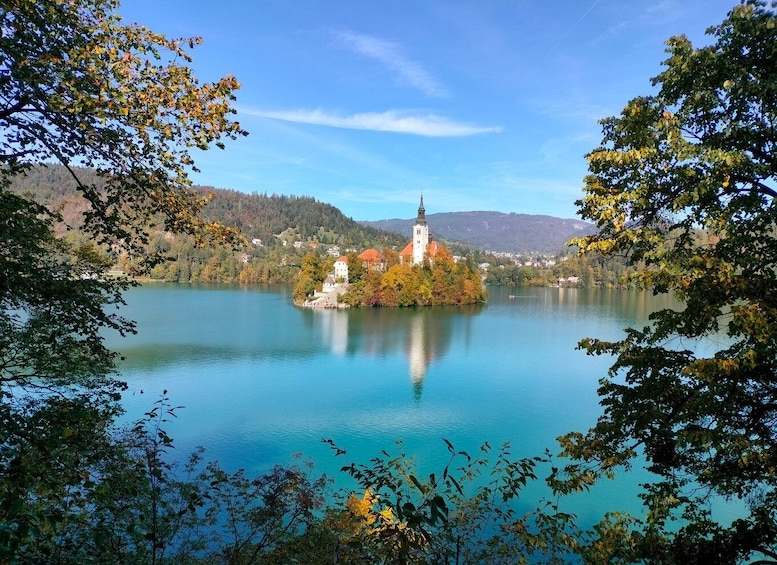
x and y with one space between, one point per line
423 273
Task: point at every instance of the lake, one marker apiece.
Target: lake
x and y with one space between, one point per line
261 380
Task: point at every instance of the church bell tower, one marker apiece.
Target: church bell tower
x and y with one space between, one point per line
420 235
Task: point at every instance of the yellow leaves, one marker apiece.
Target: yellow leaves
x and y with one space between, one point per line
603 246
660 506
618 223
362 507
753 320
388 514
368 519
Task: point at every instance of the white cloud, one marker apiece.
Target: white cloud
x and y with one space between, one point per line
429 125
390 55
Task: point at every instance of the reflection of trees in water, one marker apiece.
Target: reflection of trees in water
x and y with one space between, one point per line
422 334
631 306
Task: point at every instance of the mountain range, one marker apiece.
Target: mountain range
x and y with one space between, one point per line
496 231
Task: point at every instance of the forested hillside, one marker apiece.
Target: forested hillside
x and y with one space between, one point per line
266 216
277 231
259 216
496 231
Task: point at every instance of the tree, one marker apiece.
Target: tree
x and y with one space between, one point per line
79 88
684 181
307 278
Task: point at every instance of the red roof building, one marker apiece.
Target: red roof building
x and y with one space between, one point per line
407 253
370 256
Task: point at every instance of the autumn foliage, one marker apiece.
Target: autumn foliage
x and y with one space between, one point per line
393 283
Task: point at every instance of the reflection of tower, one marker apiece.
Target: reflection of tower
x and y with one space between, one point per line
420 235
334 324
417 354
339 332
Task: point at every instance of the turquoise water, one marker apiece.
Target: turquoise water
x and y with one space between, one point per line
261 380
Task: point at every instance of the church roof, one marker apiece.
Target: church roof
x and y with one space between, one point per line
431 249
370 255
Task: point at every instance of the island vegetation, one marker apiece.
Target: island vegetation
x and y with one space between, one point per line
391 282
118 108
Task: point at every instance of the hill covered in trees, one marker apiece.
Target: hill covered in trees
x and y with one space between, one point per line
497 231
266 217
277 231
257 216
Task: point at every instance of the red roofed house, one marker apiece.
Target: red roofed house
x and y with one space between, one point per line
414 252
371 257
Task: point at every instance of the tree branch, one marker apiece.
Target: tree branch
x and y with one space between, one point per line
757 186
18 107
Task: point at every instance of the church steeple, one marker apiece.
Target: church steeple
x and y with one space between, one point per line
420 235
421 219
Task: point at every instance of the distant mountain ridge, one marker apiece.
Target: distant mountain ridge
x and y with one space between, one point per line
496 231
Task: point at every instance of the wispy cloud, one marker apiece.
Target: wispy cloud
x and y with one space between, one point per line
429 125
390 55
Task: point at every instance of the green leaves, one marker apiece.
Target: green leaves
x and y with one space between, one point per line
112 104
684 183
82 89
467 513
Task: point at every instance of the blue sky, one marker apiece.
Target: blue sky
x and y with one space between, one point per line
479 104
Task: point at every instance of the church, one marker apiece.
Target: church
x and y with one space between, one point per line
422 274
420 246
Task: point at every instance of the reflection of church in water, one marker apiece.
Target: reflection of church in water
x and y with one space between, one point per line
420 352
422 335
